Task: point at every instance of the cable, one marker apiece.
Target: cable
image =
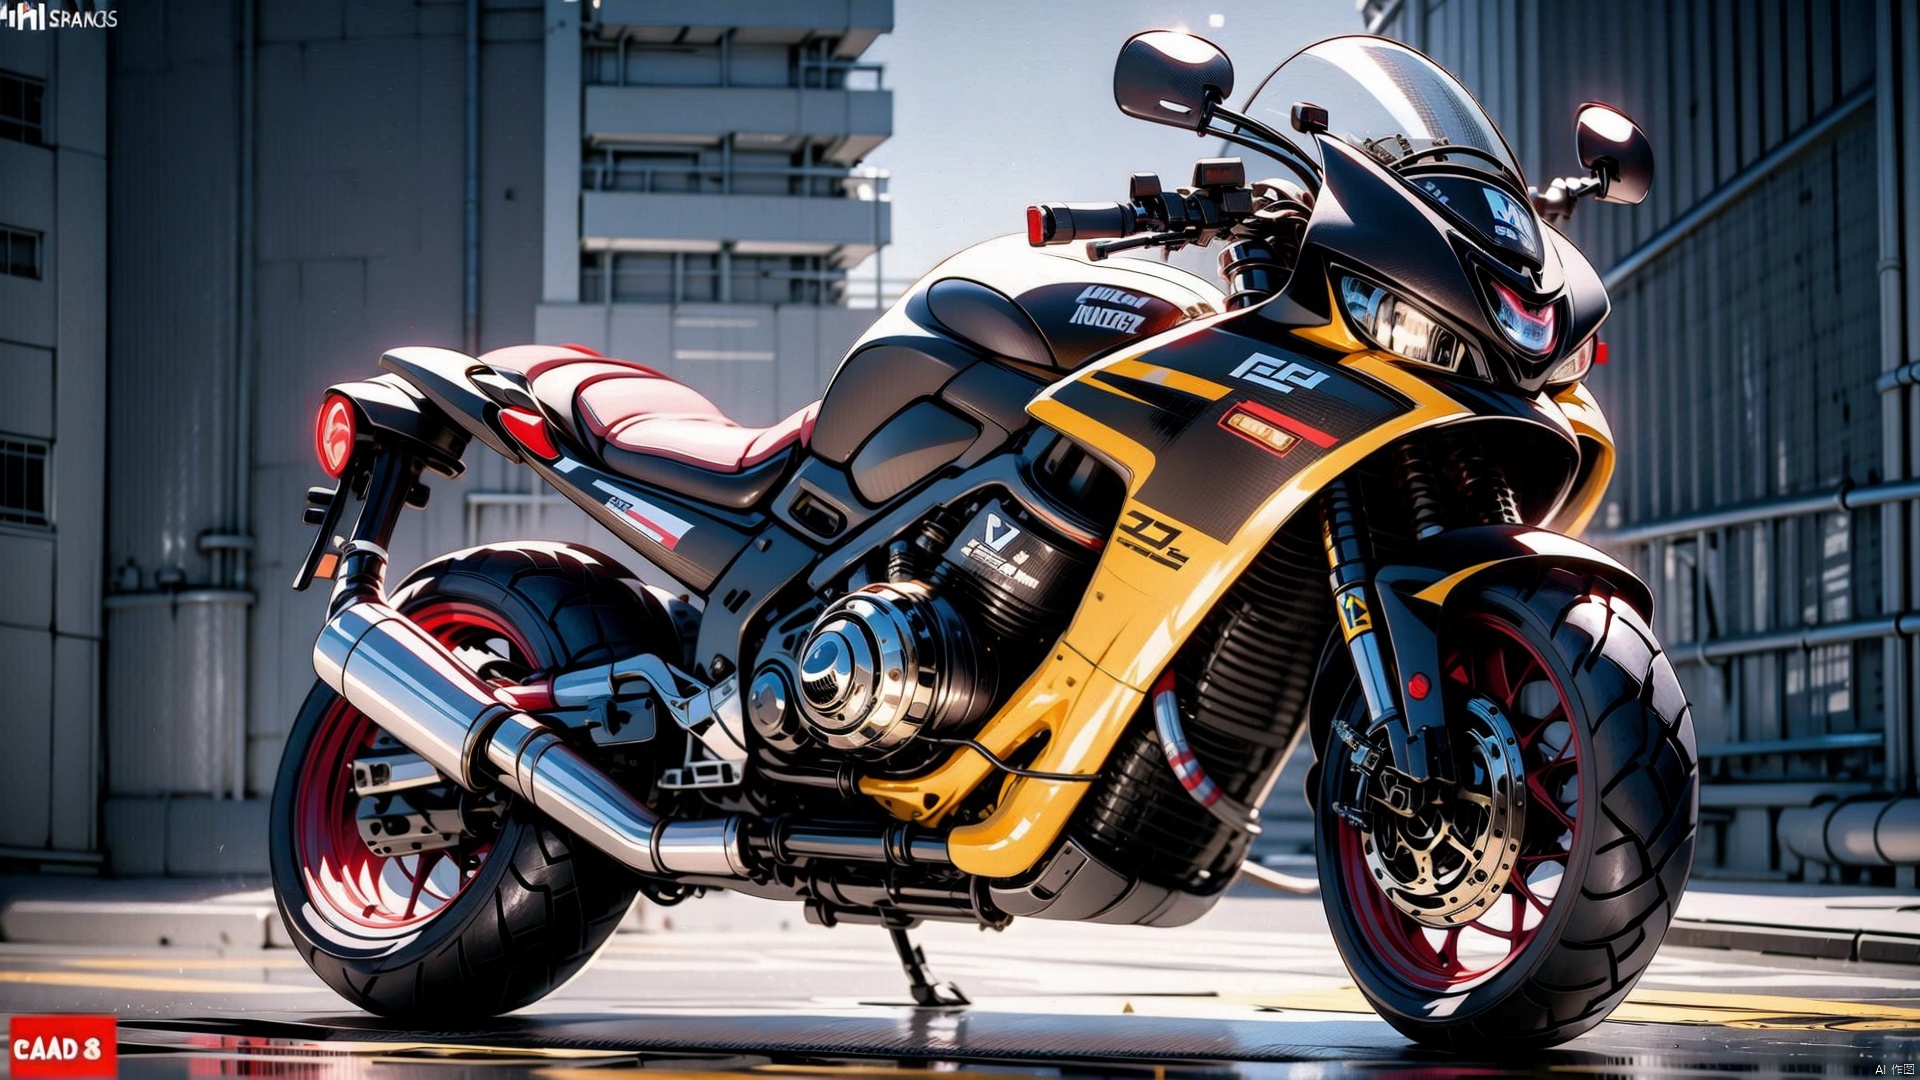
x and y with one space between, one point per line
1015 770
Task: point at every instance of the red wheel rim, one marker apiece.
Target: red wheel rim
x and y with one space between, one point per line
1489 659
345 881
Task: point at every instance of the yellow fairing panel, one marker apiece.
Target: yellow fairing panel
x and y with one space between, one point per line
1162 572
1596 460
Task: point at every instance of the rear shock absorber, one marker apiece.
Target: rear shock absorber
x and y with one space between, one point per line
1482 485
1345 537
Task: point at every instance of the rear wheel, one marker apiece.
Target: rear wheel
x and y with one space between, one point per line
513 907
1519 906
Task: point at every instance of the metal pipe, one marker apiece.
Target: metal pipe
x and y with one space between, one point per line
1186 766
1812 744
1841 499
181 598
1811 637
389 668
1896 530
1860 832
470 291
1730 192
856 841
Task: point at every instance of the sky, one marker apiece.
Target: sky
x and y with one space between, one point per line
998 104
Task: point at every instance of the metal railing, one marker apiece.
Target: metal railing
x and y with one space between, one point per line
806 71
610 172
1710 528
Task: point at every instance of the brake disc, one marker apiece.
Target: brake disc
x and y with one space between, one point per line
1445 860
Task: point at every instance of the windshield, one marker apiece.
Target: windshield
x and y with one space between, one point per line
1385 99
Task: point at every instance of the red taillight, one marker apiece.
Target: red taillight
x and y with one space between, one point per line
530 430
333 435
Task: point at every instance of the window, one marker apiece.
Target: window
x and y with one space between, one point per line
23 482
19 253
23 105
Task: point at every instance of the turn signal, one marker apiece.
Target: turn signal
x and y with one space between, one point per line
334 434
1261 426
1577 364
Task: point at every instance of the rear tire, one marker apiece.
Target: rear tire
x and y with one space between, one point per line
506 918
1604 846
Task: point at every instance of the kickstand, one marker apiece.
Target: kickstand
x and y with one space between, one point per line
927 993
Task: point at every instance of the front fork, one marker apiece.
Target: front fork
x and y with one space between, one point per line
1415 739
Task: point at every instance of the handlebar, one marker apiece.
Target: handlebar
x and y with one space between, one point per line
1218 200
1063 223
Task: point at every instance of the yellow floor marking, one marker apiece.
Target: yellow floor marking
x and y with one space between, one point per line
826 1072
1687 1007
102 980
205 963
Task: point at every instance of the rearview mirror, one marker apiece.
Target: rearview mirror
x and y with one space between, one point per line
1171 78
1615 150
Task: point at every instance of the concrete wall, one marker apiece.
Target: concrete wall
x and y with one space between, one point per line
357 153
286 201
53 354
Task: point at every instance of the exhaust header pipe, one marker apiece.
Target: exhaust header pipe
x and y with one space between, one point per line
386 666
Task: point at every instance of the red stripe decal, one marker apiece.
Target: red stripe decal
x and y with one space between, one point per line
661 536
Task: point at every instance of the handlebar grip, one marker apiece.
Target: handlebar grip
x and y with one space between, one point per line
1063 223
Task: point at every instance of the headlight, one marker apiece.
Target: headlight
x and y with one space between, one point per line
1577 363
1393 325
1526 325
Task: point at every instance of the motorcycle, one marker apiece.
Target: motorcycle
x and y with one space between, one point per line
1024 616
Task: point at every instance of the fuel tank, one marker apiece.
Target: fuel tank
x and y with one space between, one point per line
1035 313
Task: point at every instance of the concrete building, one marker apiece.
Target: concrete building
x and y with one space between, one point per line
286 189
53 367
1763 340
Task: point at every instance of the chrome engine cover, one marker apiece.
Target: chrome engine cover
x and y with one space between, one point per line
888 662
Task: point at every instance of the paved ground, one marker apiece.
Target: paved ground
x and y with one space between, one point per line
730 984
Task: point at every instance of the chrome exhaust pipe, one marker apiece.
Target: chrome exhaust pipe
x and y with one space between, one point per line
386 666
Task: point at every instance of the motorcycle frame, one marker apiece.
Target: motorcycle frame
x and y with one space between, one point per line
1137 610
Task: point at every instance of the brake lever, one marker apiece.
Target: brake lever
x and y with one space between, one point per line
1098 250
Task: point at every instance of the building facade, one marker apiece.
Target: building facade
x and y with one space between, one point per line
285 190
1766 302
53 367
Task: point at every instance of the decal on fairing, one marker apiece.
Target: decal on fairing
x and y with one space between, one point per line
1153 538
1109 309
1206 475
651 521
1511 221
1274 373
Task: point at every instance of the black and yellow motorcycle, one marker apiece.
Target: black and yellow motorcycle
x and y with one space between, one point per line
1023 617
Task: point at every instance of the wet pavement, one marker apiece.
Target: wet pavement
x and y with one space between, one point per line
731 985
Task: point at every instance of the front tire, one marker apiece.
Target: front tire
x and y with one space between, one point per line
1588 839
508 915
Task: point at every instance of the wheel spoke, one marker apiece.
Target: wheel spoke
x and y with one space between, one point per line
420 871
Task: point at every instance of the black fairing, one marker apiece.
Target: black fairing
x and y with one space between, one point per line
961 333
1370 220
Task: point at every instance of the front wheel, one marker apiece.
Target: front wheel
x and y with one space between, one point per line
1518 905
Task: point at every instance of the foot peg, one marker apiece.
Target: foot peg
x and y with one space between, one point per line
927 993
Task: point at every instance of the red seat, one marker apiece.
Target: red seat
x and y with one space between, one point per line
654 428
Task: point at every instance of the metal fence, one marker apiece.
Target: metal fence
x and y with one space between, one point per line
1763 484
